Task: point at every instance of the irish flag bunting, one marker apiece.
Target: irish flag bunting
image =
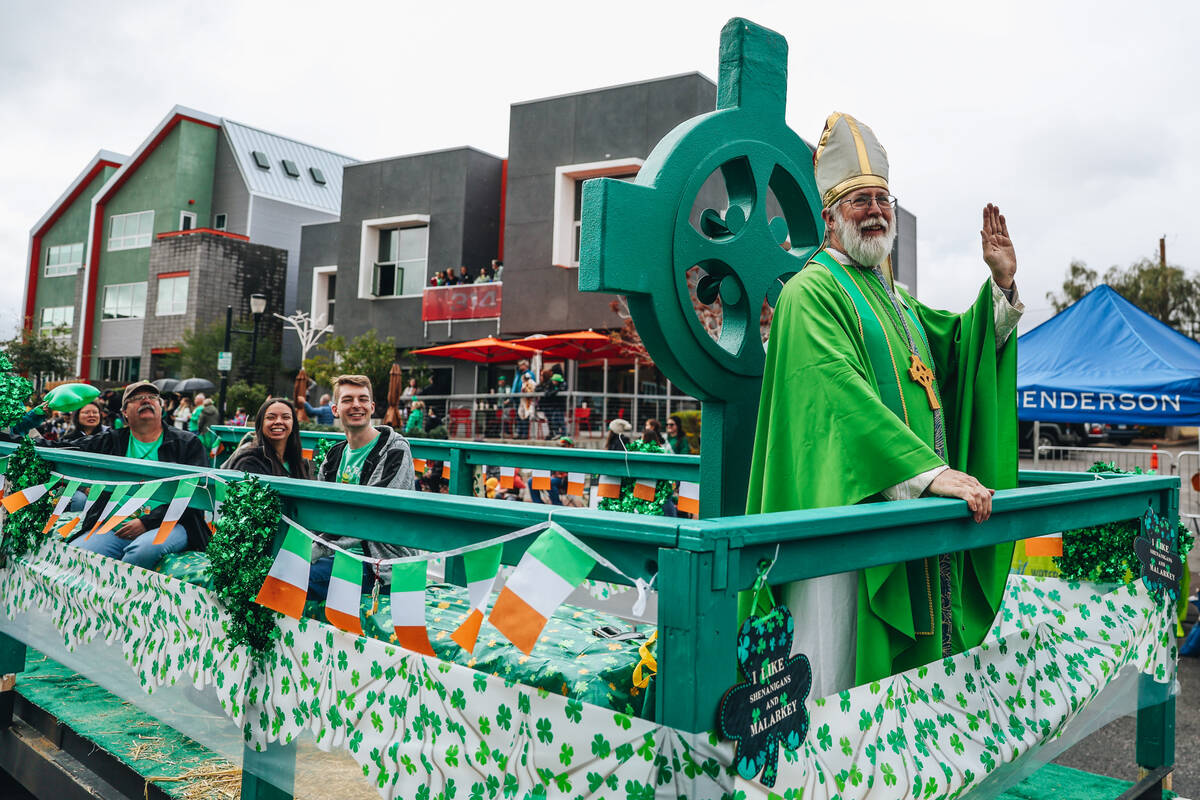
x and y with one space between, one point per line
609 486
1051 545
128 508
643 489
94 492
30 494
116 496
179 504
481 567
549 571
540 480
61 505
575 482
689 497
446 470
419 466
408 606
345 593
286 585
507 477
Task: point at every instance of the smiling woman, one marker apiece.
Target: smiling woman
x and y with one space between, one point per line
275 447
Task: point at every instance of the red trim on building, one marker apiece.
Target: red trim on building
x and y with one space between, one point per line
180 274
35 254
503 204
213 231
160 351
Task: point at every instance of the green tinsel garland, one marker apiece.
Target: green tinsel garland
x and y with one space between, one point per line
14 391
630 504
239 557
319 452
1104 553
23 529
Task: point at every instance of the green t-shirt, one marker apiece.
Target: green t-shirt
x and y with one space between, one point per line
147 451
352 462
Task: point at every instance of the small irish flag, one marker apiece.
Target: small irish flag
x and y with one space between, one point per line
540 480
689 497
307 453
507 477
127 508
61 505
345 593
408 606
94 492
643 489
446 470
179 504
286 585
1051 545
419 466
609 486
575 481
30 494
549 571
481 567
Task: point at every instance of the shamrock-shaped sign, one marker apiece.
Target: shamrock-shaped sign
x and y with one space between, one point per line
1158 550
768 709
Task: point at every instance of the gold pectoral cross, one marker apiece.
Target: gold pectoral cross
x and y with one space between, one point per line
923 375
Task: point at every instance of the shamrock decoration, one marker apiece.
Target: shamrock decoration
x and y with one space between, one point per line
1158 550
768 709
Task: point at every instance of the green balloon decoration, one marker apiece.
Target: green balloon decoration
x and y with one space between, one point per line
239 556
23 528
14 392
70 397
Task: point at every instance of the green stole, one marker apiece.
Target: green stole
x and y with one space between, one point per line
888 375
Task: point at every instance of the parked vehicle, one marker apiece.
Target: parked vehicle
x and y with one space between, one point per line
1065 434
1123 434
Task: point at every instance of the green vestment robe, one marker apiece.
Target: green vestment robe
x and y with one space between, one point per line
825 438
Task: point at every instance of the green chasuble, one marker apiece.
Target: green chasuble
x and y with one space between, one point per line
826 437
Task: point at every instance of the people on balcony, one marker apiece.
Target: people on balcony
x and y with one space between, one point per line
275 448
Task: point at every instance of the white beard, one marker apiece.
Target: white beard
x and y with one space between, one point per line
869 252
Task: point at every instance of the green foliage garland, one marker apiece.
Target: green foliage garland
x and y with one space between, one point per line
1104 553
23 529
14 391
239 557
631 504
319 452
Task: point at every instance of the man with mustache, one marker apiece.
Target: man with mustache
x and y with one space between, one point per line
869 395
144 436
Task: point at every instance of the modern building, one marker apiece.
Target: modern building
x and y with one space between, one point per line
95 264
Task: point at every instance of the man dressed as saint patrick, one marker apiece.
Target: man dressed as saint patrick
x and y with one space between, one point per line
869 395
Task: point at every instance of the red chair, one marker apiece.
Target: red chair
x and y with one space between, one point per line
460 418
583 419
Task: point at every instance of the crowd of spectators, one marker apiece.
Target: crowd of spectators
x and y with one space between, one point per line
462 276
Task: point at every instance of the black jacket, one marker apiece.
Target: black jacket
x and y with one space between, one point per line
178 447
257 461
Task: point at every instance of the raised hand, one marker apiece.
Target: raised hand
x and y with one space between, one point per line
998 250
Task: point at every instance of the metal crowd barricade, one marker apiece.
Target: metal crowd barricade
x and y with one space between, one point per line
1059 458
1188 465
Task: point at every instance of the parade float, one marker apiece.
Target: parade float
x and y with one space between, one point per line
484 673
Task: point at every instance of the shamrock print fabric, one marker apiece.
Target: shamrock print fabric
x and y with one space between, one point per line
424 728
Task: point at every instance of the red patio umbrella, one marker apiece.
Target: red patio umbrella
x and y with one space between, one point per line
577 345
488 350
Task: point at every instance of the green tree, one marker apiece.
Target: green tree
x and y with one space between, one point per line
247 396
366 355
1166 292
199 348
42 355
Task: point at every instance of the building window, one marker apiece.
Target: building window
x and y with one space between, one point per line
172 295
402 253
120 370
290 169
317 176
394 256
129 231
260 159
187 221
64 259
56 318
568 202
219 222
125 301
324 292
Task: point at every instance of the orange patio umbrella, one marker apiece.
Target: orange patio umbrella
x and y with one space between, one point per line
577 345
488 350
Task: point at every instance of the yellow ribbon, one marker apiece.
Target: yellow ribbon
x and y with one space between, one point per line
648 661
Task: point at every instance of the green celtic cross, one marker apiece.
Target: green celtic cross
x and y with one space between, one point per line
645 239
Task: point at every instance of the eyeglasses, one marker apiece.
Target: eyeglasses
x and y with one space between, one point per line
863 202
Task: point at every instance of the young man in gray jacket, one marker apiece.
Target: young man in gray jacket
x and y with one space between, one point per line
370 456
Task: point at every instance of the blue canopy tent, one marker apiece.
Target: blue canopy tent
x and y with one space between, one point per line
1106 360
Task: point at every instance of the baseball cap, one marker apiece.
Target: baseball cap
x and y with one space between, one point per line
136 388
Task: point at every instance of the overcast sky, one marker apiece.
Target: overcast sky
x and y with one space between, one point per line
1078 119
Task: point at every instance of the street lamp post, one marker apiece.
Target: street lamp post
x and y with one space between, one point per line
258 304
